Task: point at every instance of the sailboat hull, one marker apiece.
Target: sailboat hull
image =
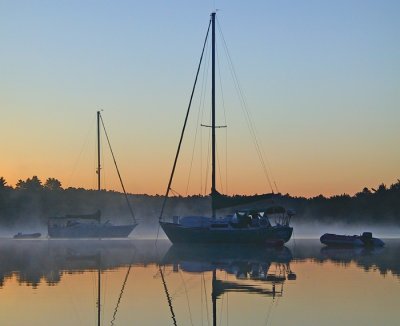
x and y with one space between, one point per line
91 231
177 233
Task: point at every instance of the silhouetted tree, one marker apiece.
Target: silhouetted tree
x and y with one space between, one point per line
52 184
3 182
381 189
395 186
32 184
364 193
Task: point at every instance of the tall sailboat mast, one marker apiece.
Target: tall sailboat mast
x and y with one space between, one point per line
98 150
213 189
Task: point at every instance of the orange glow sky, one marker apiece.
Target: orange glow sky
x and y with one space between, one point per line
321 83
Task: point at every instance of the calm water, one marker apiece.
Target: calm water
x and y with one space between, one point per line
56 283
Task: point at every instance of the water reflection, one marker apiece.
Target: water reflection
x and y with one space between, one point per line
183 281
35 260
382 259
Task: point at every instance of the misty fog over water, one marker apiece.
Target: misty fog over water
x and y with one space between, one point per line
148 228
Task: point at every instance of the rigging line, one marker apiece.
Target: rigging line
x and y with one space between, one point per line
221 309
207 65
244 108
201 302
120 294
222 303
269 312
123 287
201 160
276 186
103 166
199 113
201 104
94 297
203 299
71 302
187 297
227 308
248 119
204 112
181 289
194 146
119 174
208 161
205 295
264 161
184 125
104 284
208 153
220 174
176 193
85 144
105 294
94 177
171 308
225 123
227 301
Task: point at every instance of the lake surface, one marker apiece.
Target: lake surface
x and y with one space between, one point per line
56 282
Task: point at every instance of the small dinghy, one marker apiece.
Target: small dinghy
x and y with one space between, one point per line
364 240
20 235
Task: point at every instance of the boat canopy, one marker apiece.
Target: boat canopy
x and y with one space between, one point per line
220 201
275 210
269 210
95 216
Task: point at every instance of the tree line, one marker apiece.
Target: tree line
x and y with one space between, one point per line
32 201
378 205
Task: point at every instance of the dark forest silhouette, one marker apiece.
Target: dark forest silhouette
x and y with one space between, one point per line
31 200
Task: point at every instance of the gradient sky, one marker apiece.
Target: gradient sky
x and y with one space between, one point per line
321 80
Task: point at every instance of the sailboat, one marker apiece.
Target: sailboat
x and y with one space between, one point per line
244 226
90 225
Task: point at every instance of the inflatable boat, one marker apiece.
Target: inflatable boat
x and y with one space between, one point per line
364 240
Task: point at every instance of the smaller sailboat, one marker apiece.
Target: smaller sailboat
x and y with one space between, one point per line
90 225
244 226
